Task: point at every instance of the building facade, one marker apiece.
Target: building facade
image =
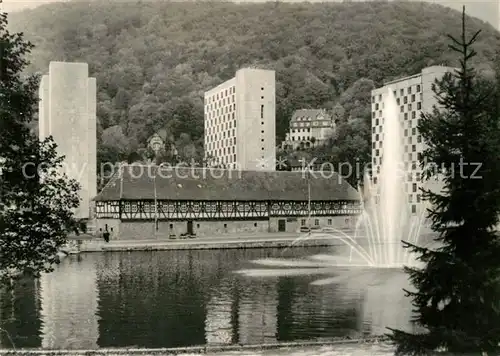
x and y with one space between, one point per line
156 143
67 112
309 127
240 121
141 202
413 95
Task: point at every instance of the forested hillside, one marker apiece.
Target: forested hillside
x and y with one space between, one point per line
154 60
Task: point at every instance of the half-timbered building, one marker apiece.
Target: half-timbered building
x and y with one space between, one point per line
141 202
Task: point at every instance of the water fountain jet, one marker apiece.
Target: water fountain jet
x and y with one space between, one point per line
383 223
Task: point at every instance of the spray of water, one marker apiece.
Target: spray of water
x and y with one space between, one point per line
383 225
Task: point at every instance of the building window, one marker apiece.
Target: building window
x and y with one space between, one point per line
225 226
197 226
329 221
171 226
419 105
414 187
262 111
303 222
254 224
316 222
418 88
413 209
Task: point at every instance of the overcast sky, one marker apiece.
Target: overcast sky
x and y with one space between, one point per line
487 10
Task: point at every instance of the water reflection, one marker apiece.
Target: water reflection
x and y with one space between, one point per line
183 298
257 311
384 302
152 299
20 315
69 298
219 316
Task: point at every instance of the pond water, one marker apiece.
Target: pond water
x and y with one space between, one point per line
188 298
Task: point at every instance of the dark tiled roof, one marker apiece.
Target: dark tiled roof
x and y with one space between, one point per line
309 114
138 182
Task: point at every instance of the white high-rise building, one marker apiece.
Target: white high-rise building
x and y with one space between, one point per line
498 15
67 111
414 95
240 121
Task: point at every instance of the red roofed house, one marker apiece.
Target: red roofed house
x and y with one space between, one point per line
144 202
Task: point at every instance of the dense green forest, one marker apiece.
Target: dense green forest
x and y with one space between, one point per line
154 60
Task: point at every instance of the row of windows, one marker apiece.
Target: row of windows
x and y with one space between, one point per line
219 112
409 156
309 118
412 158
408 139
410 108
301 130
415 167
222 156
301 138
406 132
226 125
262 131
413 98
303 222
214 145
220 95
401 92
219 104
314 123
402 109
221 136
411 176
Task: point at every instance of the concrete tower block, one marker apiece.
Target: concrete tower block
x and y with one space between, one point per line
69 122
43 108
256 111
498 14
92 138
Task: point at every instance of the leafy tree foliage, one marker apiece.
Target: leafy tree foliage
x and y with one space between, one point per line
35 204
154 60
456 297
